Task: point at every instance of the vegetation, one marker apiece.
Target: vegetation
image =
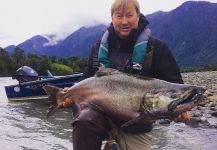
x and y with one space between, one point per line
60 69
9 63
212 67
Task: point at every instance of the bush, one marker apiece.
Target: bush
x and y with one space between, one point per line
212 67
59 69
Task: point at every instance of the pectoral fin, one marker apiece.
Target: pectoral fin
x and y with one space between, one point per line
143 117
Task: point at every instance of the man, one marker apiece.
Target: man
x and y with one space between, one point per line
128 47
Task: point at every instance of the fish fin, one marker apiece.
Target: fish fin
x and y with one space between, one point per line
52 91
141 77
144 116
51 110
103 71
75 109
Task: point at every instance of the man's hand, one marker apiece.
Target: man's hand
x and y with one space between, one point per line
68 102
183 117
65 89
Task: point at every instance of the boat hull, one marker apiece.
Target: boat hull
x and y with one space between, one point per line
33 89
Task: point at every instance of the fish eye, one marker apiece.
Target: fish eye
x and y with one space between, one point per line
173 96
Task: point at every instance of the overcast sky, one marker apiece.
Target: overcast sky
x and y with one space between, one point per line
22 19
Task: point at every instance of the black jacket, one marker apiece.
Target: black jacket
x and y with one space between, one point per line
163 67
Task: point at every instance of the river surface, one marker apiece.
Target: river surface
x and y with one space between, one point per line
24 127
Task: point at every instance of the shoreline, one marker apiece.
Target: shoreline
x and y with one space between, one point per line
205 114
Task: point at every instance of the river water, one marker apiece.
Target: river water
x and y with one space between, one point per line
24 127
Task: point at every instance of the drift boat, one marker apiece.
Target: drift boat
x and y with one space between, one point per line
30 84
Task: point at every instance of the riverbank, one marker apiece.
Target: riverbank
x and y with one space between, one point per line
206 113
24 125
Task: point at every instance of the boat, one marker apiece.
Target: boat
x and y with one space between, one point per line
30 84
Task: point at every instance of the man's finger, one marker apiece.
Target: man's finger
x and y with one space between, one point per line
65 89
68 102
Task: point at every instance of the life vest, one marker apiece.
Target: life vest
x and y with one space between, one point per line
141 57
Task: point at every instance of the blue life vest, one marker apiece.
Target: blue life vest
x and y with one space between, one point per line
138 54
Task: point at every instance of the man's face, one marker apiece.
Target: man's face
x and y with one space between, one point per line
125 20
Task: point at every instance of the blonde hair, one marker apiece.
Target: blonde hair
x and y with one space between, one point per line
122 4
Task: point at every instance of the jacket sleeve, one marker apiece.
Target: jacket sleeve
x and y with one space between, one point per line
164 64
93 63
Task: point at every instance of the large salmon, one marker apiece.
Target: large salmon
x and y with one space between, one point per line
129 97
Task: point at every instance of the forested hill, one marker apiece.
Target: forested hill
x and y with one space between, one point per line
189 30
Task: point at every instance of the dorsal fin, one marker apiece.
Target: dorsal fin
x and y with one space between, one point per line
141 77
103 71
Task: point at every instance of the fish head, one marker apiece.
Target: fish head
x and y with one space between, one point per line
173 96
168 103
191 97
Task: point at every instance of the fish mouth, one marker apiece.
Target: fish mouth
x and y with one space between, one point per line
189 100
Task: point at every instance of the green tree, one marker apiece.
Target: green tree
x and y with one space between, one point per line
6 66
9 63
18 57
39 63
53 59
78 64
44 65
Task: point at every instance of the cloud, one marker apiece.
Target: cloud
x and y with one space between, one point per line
25 18
22 19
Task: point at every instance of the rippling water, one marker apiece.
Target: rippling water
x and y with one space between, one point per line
24 127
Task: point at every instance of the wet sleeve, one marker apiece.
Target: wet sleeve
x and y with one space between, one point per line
165 66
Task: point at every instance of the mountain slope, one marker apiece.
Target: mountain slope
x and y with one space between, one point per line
10 48
80 42
190 31
34 44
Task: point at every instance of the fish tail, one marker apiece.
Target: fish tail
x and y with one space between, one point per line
52 91
51 110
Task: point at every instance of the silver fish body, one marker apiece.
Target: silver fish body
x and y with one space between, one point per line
128 97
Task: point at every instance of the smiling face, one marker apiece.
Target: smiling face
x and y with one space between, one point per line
124 19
